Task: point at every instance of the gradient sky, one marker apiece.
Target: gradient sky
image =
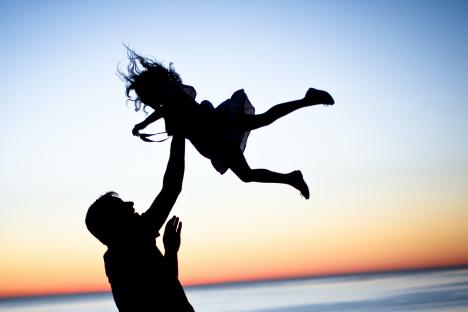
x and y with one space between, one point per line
387 165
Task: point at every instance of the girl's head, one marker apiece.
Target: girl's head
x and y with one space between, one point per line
148 79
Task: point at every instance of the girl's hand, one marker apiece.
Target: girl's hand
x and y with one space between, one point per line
136 129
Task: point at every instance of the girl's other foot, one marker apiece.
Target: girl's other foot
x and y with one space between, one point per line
314 97
299 183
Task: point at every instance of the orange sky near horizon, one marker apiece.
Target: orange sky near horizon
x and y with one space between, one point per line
328 246
53 281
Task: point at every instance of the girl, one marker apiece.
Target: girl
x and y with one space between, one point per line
220 134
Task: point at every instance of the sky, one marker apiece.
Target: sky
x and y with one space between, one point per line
387 165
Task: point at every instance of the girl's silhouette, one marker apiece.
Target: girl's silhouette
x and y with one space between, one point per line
220 133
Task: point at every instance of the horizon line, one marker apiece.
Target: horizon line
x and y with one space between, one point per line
66 295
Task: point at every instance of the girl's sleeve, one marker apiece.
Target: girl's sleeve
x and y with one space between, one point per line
190 91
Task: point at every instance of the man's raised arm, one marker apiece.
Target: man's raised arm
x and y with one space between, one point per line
159 210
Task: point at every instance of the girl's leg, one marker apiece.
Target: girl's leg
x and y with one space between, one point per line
241 168
312 97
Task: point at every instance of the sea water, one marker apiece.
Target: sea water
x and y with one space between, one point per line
431 290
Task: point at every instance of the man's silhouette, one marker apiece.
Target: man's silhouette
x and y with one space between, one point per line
142 279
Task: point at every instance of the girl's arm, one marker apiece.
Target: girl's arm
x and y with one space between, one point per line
150 119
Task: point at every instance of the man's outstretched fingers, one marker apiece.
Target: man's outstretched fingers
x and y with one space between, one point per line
179 228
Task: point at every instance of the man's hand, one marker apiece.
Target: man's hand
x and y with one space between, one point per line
171 238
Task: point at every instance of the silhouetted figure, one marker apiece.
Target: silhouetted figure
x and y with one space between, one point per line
220 133
142 279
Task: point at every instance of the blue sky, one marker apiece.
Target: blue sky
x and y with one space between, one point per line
393 149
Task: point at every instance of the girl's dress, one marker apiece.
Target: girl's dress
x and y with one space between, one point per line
229 115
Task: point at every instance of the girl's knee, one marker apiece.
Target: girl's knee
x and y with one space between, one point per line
245 175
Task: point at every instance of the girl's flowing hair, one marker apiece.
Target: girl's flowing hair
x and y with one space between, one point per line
144 76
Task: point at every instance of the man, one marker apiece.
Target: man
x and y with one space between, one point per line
142 279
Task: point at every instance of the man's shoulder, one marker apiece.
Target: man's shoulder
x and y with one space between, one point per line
145 227
106 255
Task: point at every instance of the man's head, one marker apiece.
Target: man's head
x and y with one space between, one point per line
107 217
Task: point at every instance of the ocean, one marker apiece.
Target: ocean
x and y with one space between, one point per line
429 290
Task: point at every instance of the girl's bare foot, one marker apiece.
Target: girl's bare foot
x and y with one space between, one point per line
314 97
299 183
